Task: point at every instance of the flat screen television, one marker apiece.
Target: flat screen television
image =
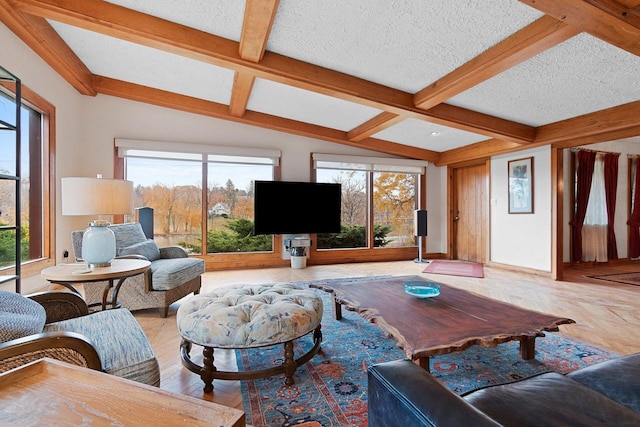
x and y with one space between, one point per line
286 207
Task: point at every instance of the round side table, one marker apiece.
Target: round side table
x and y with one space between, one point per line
119 270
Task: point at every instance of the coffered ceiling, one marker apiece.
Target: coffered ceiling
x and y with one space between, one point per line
443 81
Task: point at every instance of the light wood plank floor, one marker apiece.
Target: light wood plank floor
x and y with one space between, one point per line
607 314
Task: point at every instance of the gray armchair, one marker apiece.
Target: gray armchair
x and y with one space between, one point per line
172 276
58 325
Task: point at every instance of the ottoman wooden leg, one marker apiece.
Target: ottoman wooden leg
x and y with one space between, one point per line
289 363
300 306
208 369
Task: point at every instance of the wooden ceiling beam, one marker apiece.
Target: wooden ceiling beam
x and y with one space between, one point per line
256 27
609 124
613 135
597 126
240 93
631 4
134 92
495 147
378 123
115 21
484 124
479 150
36 33
614 22
535 38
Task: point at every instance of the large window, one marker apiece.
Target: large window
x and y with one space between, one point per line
384 190
394 200
32 185
353 211
173 189
230 212
168 177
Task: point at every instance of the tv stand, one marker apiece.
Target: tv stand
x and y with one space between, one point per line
297 248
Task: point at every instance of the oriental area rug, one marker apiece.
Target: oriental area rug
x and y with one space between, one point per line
331 389
455 268
628 278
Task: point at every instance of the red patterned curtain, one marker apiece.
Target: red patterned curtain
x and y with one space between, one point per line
585 161
634 219
610 188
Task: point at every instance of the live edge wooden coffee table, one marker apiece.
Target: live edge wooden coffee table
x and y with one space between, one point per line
450 322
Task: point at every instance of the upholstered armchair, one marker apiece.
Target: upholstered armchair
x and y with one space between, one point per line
58 325
172 276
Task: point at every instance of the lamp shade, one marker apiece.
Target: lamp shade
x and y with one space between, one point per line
96 196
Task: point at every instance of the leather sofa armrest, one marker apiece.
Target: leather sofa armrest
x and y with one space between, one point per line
173 252
403 393
618 379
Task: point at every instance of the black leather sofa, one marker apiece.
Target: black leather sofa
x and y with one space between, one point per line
401 393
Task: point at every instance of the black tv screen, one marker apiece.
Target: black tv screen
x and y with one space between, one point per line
285 207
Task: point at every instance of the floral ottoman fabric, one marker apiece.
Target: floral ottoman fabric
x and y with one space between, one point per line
249 316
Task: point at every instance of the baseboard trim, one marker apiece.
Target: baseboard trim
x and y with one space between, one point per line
518 269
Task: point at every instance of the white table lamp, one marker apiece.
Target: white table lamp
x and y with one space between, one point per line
97 196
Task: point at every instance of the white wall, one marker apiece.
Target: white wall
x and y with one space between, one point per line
109 117
436 209
87 126
39 77
522 240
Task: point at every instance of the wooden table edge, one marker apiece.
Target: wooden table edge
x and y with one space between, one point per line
421 356
194 407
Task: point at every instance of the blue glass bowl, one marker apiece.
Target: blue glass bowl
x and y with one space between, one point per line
422 289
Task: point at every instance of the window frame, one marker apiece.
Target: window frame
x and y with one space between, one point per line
370 165
36 102
213 261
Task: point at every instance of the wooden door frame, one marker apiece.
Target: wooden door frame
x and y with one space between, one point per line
557 213
451 193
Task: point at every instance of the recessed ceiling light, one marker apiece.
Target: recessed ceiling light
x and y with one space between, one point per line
436 133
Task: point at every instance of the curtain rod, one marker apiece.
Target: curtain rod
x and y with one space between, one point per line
574 149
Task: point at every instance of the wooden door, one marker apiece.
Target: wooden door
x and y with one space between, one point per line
469 214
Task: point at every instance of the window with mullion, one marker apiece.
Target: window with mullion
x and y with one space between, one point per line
31 186
390 200
394 200
353 213
230 208
171 184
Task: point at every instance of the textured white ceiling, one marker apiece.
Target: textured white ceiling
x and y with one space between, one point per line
122 60
579 76
403 44
302 105
220 17
418 133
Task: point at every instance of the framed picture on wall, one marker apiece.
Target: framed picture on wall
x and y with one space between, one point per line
521 186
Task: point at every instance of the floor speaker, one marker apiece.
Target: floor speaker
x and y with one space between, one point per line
420 222
420 230
145 217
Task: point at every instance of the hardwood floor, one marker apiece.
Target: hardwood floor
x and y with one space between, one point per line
607 314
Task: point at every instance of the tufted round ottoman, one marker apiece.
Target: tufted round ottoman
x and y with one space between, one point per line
241 317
